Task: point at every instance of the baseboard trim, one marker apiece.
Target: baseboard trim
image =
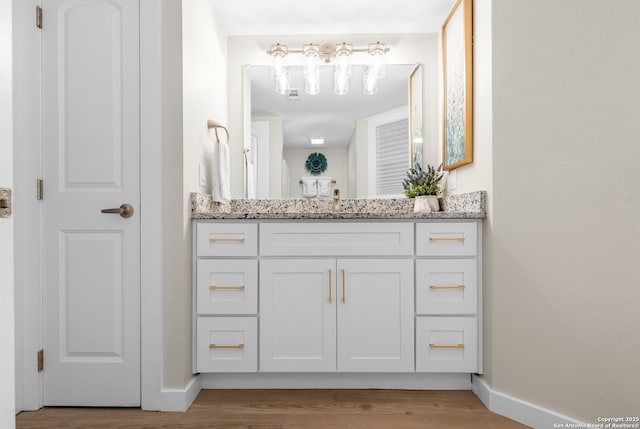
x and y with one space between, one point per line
411 381
516 409
179 400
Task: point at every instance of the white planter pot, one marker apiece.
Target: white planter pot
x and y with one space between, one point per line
426 204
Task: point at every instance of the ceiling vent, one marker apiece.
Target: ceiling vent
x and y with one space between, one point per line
293 94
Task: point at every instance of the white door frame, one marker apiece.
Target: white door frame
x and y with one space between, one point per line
29 311
7 351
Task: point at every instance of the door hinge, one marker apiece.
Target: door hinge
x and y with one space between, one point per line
39 189
40 360
5 202
38 17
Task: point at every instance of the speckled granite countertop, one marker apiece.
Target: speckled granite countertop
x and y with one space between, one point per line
464 206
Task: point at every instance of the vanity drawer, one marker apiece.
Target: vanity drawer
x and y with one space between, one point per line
446 286
447 239
446 344
227 344
227 286
227 239
336 239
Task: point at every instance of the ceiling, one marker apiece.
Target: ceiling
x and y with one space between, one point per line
256 17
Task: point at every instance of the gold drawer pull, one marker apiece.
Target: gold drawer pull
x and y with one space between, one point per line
344 299
447 287
215 346
228 240
436 346
214 287
446 238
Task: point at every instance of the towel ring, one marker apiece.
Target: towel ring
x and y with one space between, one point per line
213 124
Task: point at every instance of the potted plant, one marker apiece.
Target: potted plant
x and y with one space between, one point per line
424 186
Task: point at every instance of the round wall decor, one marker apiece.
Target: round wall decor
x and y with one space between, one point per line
316 163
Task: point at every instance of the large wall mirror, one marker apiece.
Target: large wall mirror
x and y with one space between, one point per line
367 139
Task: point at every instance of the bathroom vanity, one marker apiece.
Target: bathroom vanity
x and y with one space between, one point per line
293 290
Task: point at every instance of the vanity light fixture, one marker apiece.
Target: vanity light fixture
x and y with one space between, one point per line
340 54
317 140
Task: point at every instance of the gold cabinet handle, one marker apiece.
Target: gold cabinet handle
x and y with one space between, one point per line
446 238
216 346
215 287
227 240
330 285
436 346
343 288
447 287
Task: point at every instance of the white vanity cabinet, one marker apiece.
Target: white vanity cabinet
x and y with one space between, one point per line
317 296
225 297
447 297
348 315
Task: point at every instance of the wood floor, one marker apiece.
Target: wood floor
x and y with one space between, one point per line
291 409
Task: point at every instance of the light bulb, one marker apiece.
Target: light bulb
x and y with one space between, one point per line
369 81
282 81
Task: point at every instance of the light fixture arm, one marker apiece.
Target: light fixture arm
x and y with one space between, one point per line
328 51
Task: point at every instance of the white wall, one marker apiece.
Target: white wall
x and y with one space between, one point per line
352 166
405 49
7 339
197 62
336 168
362 158
479 174
566 205
174 246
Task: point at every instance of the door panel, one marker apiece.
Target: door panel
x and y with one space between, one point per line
91 312
91 260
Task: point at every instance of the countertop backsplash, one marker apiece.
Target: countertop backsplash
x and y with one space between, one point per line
471 205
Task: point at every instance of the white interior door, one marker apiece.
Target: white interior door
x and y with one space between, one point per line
91 260
260 155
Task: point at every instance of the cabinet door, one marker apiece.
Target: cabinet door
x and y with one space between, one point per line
297 315
375 315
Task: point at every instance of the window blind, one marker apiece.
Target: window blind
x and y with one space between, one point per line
392 157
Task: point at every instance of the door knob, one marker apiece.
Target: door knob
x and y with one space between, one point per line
125 210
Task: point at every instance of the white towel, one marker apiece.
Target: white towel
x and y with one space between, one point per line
324 186
221 186
251 181
309 187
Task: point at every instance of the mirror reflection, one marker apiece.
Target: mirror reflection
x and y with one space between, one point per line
305 145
